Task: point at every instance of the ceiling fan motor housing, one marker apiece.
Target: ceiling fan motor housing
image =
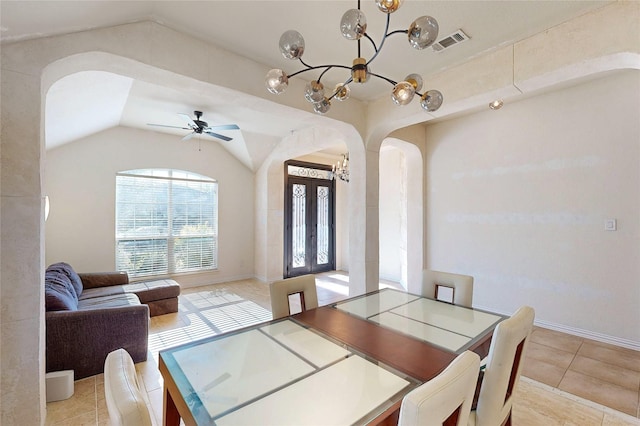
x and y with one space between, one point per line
201 124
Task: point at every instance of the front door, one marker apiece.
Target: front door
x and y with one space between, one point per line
309 224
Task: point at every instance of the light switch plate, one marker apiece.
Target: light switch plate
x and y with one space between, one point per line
610 225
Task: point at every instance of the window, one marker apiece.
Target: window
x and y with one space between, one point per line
166 222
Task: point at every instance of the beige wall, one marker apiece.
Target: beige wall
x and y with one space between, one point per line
393 214
518 198
80 183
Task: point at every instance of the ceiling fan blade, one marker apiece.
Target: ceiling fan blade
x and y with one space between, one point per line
224 127
189 136
189 120
172 127
216 135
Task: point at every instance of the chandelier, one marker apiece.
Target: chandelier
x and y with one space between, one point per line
340 170
421 34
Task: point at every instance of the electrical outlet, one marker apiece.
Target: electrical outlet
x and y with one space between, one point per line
610 225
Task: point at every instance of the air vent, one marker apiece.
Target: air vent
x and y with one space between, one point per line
451 40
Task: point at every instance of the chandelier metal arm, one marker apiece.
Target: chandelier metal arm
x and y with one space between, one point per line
388 80
384 37
304 63
323 73
309 68
398 32
373 43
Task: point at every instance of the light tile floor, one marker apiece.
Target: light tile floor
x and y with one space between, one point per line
596 371
569 380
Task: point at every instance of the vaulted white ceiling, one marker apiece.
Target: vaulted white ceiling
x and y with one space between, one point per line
89 102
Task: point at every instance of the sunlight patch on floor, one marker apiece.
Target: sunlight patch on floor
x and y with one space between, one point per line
337 288
339 277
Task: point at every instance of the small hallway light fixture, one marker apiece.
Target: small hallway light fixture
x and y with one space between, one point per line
496 105
340 170
47 207
421 34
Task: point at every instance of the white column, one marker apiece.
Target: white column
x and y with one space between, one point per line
21 253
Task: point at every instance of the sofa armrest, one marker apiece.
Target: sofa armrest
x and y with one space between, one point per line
81 340
103 279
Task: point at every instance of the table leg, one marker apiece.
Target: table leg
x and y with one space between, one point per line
170 415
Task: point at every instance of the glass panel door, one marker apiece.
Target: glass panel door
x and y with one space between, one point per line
309 226
299 225
322 225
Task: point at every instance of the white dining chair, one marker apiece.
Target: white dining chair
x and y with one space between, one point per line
280 290
434 282
503 367
125 404
445 399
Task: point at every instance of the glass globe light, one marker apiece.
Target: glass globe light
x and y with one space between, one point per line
291 44
342 92
276 81
314 91
423 32
415 80
402 93
496 105
323 106
388 6
431 100
353 24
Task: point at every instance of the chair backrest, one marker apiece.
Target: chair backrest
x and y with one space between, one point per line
446 399
125 403
504 365
280 290
461 285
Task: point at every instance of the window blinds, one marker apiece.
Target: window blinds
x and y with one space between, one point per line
166 222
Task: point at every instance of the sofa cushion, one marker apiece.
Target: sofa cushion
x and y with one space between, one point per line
74 279
58 292
113 301
103 279
149 291
90 293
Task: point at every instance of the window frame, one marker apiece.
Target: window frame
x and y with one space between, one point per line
191 248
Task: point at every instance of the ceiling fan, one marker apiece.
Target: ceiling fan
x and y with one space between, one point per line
199 127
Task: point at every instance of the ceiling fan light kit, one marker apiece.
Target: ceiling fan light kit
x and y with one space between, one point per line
199 127
421 34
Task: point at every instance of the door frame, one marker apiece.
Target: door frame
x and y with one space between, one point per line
287 214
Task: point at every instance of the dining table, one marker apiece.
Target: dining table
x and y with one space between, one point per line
345 363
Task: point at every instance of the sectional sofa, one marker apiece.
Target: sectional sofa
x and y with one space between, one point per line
89 315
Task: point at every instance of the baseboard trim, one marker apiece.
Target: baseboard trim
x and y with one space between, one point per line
604 338
599 337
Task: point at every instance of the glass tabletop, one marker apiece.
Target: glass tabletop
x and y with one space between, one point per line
452 327
281 373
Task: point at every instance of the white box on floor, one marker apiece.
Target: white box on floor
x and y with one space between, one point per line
59 385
